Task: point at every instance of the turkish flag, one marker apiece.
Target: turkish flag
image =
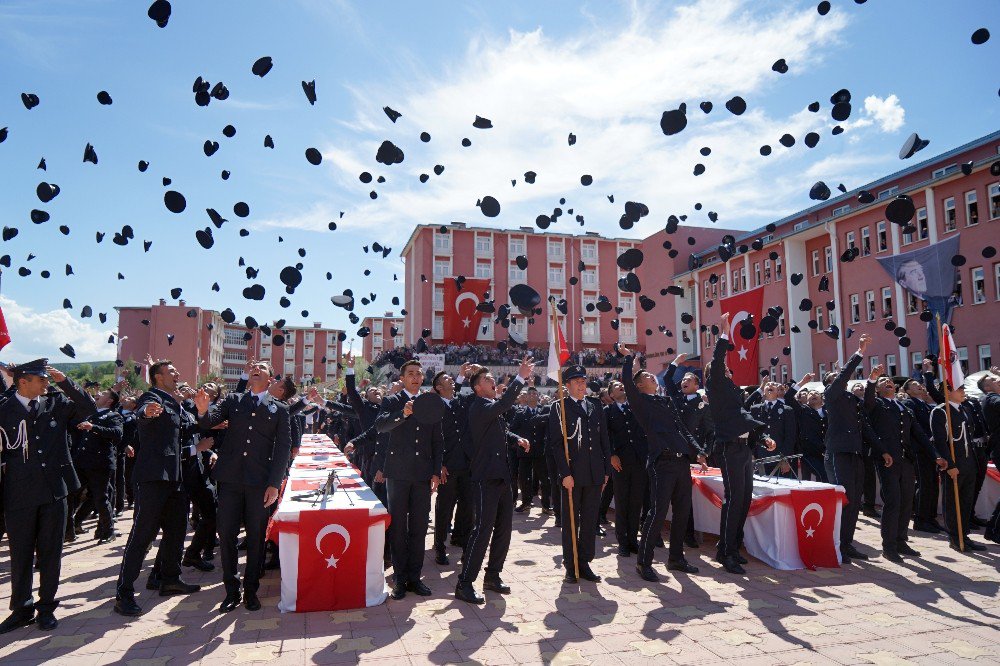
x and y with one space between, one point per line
461 318
742 359
815 515
333 550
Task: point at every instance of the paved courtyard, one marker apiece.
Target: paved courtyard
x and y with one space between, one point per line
941 609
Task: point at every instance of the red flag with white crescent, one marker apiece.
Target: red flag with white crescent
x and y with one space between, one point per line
742 359
333 551
815 515
461 318
951 366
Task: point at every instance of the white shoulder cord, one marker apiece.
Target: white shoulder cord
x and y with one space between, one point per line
20 443
577 433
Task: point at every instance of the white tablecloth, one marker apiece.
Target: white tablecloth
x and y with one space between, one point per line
990 494
771 536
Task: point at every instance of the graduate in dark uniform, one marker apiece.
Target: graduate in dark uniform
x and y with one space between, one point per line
737 433
920 402
779 421
252 464
130 437
902 438
586 472
409 463
811 422
961 469
95 456
628 468
165 430
845 437
454 495
989 386
38 475
532 474
979 435
489 439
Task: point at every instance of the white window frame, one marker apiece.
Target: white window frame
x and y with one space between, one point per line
985 354
886 302
486 322
891 368
828 255
437 327
819 320
840 210
767 271
963 358
971 200
815 262
870 304
756 274
996 280
590 330
978 275
627 303
950 217
556 276
516 275
778 274
627 332
484 245
442 243
588 278
588 251
855 308
866 241
850 240
516 247
993 198
442 268
438 297
484 269
555 249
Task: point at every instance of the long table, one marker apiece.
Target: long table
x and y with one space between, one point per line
331 548
792 524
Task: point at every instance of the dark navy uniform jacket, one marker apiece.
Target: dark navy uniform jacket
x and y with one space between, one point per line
628 439
412 451
660 419
489 435
258 441
588 441
99 447
896 427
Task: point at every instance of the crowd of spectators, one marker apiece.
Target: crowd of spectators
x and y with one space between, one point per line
488 355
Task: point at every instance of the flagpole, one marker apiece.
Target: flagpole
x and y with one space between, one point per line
951 438
562 418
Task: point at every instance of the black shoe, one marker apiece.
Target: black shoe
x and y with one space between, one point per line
547 511
126 606
22 617
231 601
601 531
992 536
418 587
80 529
732 565
251 602
69 537
465 592
273 563
624 551
646 573
398 591
904 549
197 563
495 584
604 520
682 566
46 620
177 587
741 559
972 545
845 559
925 526
979 522
892 556
871 512
633 547
587 573
570 578
209 555
558 522
659 543
153 582
691 542
522 508
108 538
853 552
441 557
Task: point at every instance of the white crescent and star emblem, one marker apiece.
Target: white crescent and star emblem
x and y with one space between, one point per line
333 529
810 531
740 316
461 297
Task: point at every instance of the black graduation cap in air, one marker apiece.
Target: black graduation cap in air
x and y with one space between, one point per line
262 66
913 144
524 298
68 350
482 123
900 210
309 88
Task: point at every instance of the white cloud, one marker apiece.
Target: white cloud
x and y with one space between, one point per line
609 88
888 113
36 334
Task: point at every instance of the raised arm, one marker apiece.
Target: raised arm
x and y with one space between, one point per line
211 416
839 384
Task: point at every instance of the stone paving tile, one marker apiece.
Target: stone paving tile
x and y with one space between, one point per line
943 608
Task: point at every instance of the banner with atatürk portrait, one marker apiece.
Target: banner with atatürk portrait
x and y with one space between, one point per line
928 274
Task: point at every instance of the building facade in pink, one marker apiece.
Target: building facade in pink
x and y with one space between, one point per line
387 332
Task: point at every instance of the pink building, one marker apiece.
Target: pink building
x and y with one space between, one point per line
432 257
388 332
864 296
309 353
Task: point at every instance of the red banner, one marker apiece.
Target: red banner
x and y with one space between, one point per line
742 359
813 508
461 318
333 550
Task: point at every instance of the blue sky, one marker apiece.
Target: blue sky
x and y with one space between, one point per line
602 70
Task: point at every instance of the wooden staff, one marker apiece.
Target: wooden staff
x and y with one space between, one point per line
951 442
562 417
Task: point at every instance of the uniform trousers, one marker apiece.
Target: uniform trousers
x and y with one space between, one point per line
586 501
966 496
897 487
410 510
928 481
494 516
847 470
868 490
454 498
241 505
533 479
555 486
96 482
29 530
156 503
812 467
513 466
119 485
630 492
670 487
736 464
982 462
203 499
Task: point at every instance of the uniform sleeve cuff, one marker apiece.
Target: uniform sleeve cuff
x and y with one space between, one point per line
349 371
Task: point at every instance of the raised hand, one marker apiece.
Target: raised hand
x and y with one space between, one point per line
623 350
724 323
863 343
876 372
408 409
202 401
55 374
806 378
349 360
526 367
680 358
152 409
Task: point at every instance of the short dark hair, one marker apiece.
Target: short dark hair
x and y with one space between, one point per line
288 386
909 382
479 374
115 398
155 369
412 361
437 378
635 377
531 389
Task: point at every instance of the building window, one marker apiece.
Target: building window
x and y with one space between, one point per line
484 245
777 269
870 305
994 193
815 262
516 275
883 237
234 337
743 279
626 331
819 320
438 297
911 303
985 357
971 209
438 326
840 210
963 359
377 341
828 253
996 280
515 247
784 374
588 251
885 194
485 329
855 309
866 241
756 273
922 229
442 243
978 275
767 271
850 240
556 276
944 171
722 285
890 365
705 293
627 304
822 371
442 268
484 269
916 358
590 331
736 281
398 340
873 361
588 278
555 250
886 302
958 288
950 216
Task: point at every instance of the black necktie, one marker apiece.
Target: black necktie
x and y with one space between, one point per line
33 409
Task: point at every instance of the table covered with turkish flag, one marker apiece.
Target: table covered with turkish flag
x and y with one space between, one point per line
791 525
330 547
989 496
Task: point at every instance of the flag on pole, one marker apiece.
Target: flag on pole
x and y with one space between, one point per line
558 351
951 367
4 333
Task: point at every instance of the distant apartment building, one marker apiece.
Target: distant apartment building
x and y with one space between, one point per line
387 332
